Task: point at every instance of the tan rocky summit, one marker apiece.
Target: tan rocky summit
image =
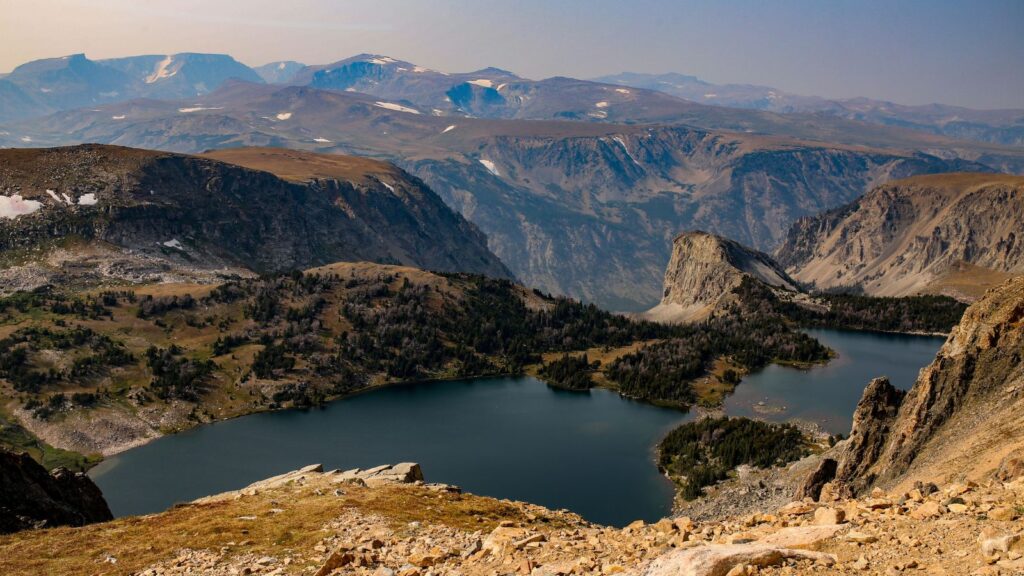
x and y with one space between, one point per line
703 271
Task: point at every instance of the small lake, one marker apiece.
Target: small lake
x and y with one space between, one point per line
510 438
828 394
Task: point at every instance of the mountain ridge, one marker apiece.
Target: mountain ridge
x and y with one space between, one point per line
194 214
950 233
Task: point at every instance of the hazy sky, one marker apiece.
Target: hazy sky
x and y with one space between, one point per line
909 51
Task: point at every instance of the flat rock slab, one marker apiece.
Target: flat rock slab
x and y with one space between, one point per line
802 537
718 559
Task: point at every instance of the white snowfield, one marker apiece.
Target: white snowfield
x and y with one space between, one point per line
14 206
321 140
482 82
198 109
161 71
396 107
490 166
622 91
54 196
284 115
448 129
120 117
625 148
601 104
87 199
174 243
381 60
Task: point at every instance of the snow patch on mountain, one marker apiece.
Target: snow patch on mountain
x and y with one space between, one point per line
396 107
283 115
162 71
14 206
490 166
87 199
625 148
448 129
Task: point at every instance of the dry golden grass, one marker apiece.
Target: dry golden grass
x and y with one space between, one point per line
140 541
960 180
302 166
967 281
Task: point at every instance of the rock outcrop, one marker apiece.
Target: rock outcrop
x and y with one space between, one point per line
31 497
964 417
295 210
957 234
704 270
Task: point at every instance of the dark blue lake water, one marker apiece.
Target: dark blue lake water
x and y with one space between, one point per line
505 437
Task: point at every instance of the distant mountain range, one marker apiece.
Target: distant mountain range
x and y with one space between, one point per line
579 186
996 126
44 86
54 84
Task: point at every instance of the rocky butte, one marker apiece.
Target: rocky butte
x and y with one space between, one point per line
703 272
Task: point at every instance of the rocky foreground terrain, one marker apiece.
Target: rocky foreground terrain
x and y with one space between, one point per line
386 521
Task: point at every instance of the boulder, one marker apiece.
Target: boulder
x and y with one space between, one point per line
719 559
813 484
829 516
403 473
801 537
31 497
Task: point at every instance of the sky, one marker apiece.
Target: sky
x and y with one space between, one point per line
968 53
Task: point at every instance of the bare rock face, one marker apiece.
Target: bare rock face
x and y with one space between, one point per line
963 415
703 271
30 497
291 210
956 234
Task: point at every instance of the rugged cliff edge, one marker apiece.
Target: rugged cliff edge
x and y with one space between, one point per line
139 215
703 272
962 419
956 234
30 497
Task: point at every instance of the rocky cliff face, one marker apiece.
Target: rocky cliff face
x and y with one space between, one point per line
704 270
586 209
964 417
202 213
597 214
957 234
30 497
